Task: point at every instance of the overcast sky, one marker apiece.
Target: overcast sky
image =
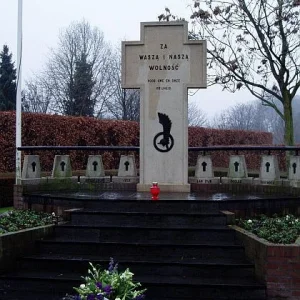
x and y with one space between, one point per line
118 19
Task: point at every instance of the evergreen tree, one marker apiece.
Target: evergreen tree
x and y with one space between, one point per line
7 81
81 90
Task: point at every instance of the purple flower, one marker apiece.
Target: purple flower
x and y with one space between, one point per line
99 297
139 297
107 289
111 266
90 297
99 285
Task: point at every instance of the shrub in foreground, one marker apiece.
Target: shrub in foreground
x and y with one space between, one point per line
275 229
108 284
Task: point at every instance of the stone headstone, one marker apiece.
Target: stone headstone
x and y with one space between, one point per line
237 171
204 171
31 167
269 171
94 166
127 172
163 65
294 171
62 167
94 172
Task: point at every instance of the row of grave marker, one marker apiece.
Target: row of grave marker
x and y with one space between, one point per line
127 172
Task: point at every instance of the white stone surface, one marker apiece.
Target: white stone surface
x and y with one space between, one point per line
269 169
94 166
294 168
61 166
237 167
31 167
127 166
204 168
163 65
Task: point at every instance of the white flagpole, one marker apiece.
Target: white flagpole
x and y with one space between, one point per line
18 98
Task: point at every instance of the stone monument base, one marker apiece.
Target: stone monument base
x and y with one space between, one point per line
95 180
257 181
166 187
125 179
228 180
213 180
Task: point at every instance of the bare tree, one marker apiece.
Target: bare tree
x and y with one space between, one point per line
123 104
35 98
196 117
252 44
251 116
77 41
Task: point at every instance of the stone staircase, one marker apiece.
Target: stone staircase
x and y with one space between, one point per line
176 249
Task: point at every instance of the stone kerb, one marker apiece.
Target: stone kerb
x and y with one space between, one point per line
204 173
95 172
237 171
269 171
127 172
16 244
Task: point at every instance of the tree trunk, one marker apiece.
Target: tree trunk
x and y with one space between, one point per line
288 121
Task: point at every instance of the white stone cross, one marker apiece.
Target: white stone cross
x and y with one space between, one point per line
163 65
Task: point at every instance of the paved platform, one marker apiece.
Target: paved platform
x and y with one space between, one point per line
129 195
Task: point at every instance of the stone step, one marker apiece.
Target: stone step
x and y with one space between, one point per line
106 202
138 250
199 269
15 294
212 234
169 206
145 219
165 286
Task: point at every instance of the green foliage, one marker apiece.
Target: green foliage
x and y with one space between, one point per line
16 220
109 284
81 102
281 230
7 81
5 209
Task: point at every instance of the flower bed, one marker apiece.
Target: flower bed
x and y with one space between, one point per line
280 230
276 265
16 220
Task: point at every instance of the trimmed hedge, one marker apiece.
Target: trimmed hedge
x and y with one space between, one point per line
55 130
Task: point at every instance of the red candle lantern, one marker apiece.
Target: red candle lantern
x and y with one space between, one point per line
154 190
